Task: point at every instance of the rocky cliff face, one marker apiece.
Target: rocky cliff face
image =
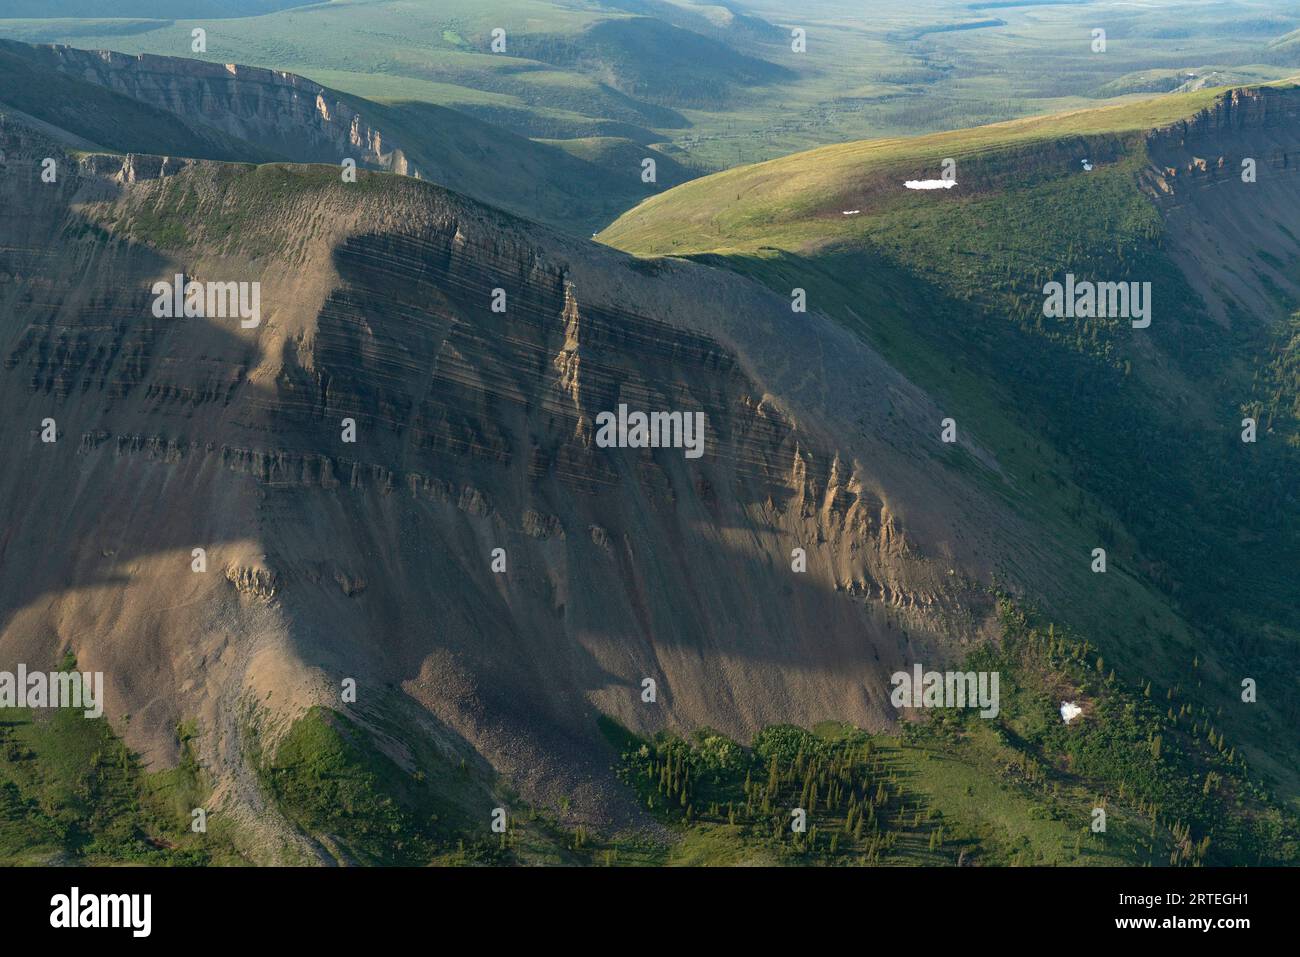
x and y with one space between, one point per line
1237 110
372 559
1253 124
1226 183
280 111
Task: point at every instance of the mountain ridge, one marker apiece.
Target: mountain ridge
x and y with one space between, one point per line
232 112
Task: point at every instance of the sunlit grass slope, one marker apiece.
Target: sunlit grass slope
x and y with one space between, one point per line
784 203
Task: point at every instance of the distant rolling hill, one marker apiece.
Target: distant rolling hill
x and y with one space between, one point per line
655 61
720 81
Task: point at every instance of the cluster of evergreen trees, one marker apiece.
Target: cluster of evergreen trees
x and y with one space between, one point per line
853 803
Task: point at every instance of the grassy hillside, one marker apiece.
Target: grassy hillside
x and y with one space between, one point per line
799 201
71 793
948 285
657 62
329 778
961 790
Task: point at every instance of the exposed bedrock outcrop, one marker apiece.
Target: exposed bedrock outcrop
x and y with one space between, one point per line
1226 183
1258 124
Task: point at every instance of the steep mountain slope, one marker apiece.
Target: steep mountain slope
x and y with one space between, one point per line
950 285
372 561
206 110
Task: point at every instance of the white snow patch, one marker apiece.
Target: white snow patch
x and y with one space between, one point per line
930 183
1070 711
